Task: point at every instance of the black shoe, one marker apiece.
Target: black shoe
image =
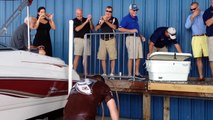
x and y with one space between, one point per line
139 76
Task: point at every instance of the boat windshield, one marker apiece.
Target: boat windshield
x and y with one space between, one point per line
5 47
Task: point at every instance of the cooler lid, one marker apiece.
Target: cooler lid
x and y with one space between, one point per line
170 56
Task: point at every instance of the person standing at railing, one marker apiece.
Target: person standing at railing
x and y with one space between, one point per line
208 21
161 39
81 27
107 24
130 24
19 39
43 25
199 39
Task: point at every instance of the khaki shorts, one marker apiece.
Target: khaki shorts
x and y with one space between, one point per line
107 46
199 46
79 46
130 47
163 49
210 48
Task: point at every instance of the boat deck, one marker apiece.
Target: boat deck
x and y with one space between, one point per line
192 88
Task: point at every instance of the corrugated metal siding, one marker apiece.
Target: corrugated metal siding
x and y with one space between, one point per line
152 14
180 108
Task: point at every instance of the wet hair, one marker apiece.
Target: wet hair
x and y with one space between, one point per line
110 7
98 78
194 3
39 9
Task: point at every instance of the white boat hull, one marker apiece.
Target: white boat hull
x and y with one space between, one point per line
31 84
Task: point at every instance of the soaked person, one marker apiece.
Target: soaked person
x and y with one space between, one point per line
85 98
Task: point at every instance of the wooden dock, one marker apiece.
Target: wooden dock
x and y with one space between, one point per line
192 88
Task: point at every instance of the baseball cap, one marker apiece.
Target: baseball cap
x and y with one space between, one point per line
172 32
133 7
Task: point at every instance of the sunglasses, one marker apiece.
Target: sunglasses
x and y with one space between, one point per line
172 34
109 11
192 9
135 10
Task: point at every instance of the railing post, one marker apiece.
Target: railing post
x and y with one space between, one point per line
85 55
70 62
134 57
28 28
94 64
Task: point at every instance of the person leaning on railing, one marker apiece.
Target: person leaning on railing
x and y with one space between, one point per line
130 24
107 24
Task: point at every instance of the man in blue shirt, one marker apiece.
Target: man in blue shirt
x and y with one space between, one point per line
208 21
130 24
199 39
161 38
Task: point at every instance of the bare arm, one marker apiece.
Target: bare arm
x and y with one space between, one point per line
151 47
113 110
111 25
108 23
209 22
91 25
51 22
127 30
89 19
178 48
37 22
106 20
78 28
99 25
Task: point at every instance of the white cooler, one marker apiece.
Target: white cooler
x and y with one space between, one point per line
168 66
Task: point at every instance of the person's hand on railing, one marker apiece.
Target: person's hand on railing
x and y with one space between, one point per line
148 55
133 31
142 38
